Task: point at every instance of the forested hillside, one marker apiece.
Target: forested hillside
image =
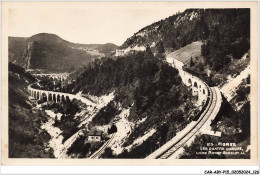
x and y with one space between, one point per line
192 25
138 96
26 139
225 35
142 83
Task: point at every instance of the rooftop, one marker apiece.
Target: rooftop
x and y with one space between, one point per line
94 133
185 53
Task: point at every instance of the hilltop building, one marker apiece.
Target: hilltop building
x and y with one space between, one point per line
120 52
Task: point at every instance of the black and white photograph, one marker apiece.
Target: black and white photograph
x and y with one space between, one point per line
129 80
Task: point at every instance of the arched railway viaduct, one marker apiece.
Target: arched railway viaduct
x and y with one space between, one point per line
56 96
61 76
209 97
50 95
199 87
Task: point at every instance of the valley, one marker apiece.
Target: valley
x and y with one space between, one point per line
170 89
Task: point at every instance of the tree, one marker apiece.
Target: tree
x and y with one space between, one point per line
160 50
160 47
108 153
214 35
114 128
148 53
163 130
204 29
56 118
191 62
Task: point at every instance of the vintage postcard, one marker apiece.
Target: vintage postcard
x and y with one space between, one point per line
129 83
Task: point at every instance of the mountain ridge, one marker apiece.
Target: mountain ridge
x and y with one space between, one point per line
58 37
181 29
50 53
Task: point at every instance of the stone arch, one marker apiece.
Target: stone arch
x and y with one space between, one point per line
67 99
38 95
62 98
58 98
50 97
203 91
54 97
189 82
195 84
44 97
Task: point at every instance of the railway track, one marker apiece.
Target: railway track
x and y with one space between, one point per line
204 117
99 152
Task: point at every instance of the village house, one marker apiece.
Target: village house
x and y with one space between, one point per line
94 136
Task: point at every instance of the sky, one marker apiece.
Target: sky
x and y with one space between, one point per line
86 22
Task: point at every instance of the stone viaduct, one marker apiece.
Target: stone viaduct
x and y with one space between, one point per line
199 88
50 95
61 77
56 96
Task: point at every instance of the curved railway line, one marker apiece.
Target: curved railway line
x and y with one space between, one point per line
210 111
204 117
99 152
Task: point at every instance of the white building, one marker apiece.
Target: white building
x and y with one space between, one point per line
120 52
94 136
